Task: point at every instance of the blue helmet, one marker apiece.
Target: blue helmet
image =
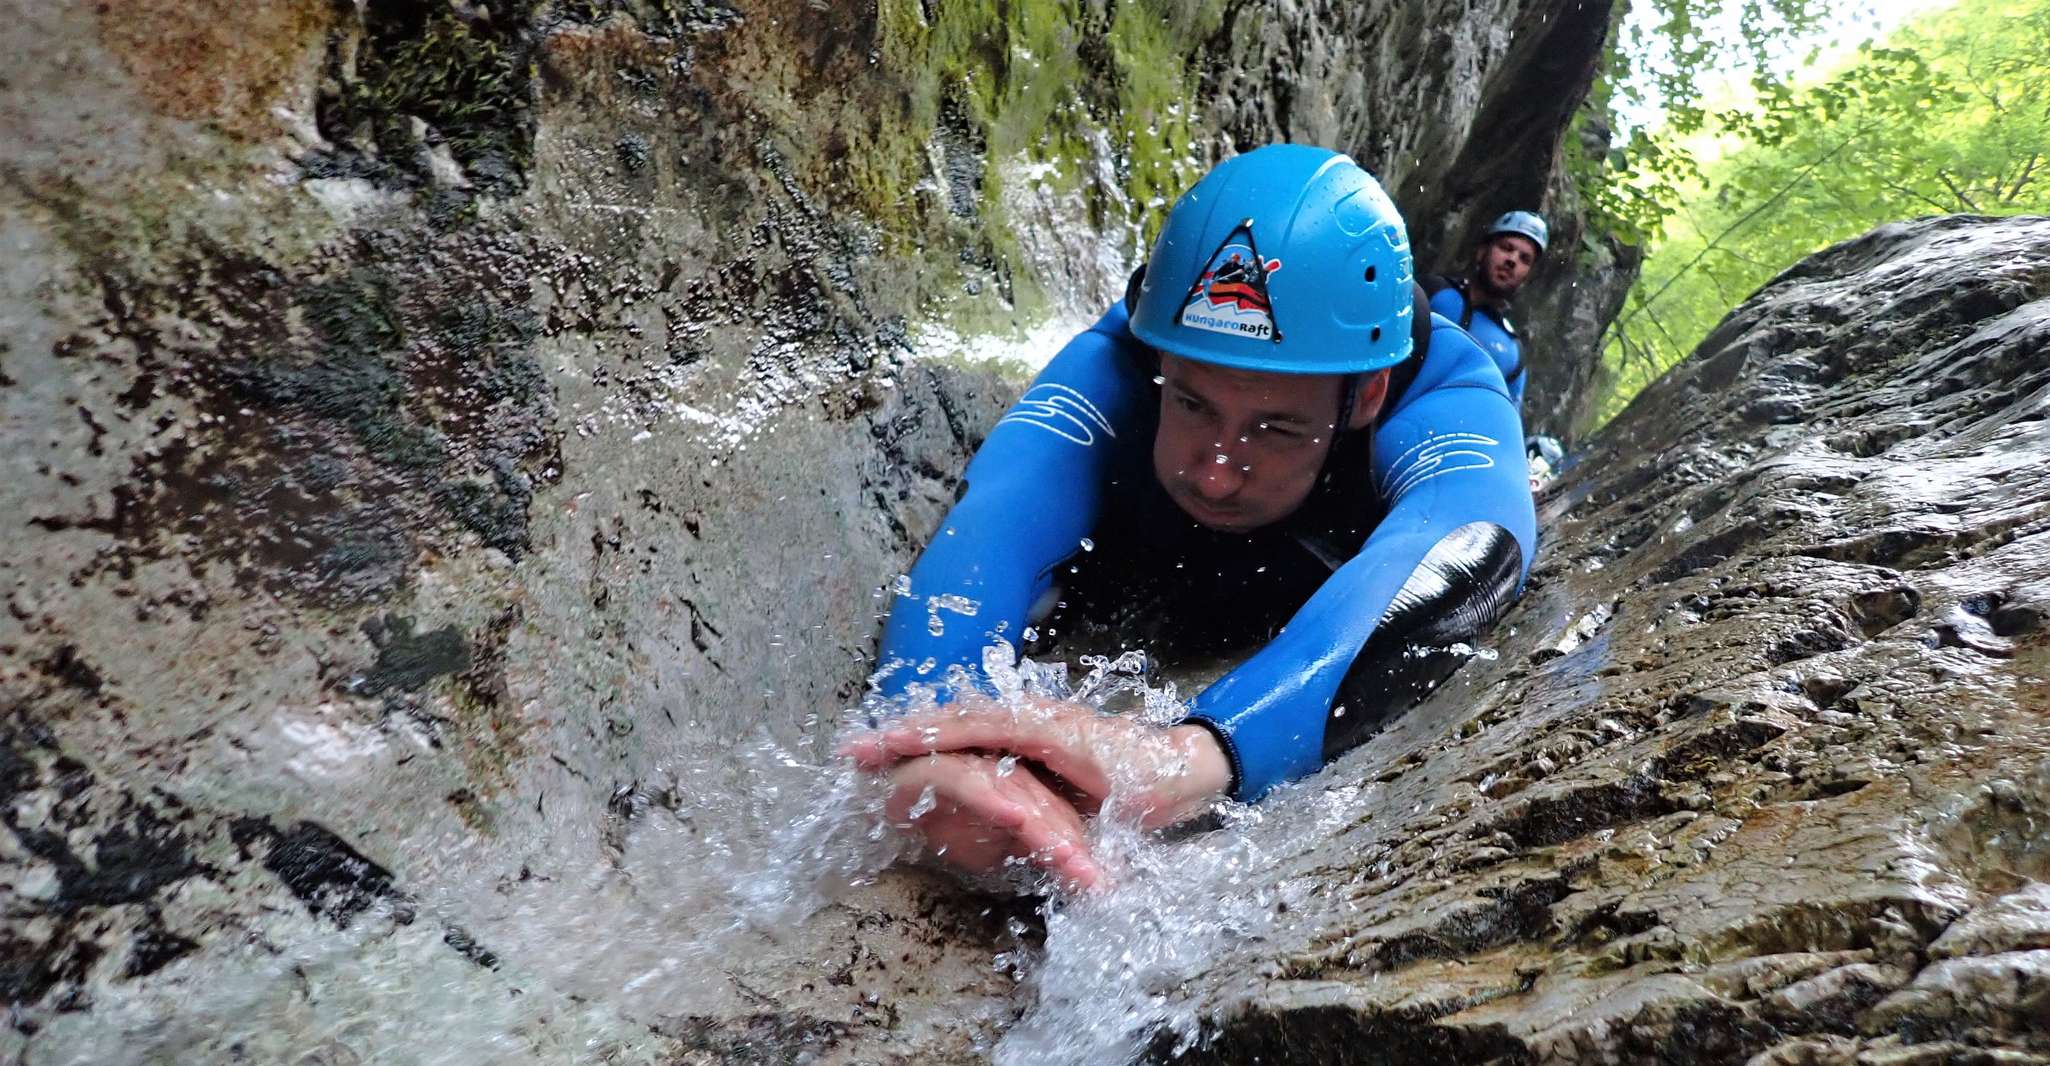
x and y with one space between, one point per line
1524 224
1288 259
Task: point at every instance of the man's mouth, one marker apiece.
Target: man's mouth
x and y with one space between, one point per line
1210 514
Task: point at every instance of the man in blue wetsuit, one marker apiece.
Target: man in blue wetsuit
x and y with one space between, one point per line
1267 446
1479 301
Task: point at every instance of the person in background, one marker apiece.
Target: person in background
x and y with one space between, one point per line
1268 449
1547 458
1479 299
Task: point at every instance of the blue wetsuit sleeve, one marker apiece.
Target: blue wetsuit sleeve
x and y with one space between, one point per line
1448 302
1034 491
1450 456
1488 333
1517 374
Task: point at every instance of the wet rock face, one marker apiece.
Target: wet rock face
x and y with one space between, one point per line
1763 770
452 445
394 419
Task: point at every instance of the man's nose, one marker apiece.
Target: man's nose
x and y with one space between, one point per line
1219 476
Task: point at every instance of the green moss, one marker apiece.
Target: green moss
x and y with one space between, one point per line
351 380
472 328
1150 42
470 80
1037 74
351 557
1033 79
661 17
407 661
495 512
354 312
449 209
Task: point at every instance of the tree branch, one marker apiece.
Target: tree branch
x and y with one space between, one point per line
1747 217
1671 344
1642 353
1944 177
1751 260
2021 180
1910 191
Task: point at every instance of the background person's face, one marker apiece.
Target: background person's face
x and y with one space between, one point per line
1240 449
1506 262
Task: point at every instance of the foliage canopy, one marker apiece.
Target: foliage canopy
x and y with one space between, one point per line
1660 55
1950 115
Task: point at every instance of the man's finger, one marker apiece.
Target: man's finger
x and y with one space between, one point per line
1051 837
942 730
866 750
955 784
1052 849
1062 751
901 740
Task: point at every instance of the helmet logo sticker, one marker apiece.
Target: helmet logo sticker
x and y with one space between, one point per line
1230 295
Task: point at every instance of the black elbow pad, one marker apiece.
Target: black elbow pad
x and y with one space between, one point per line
1455 593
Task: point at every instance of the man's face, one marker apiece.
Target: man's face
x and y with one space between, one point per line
1505 263
1240 449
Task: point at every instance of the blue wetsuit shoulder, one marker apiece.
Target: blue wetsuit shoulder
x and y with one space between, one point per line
1449 455
1491 332
1034 491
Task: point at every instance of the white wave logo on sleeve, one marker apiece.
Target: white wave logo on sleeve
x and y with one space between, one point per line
1436 456
1061 411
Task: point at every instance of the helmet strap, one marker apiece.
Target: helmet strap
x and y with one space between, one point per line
1348 394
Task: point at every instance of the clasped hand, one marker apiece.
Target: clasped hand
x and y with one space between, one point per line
986 782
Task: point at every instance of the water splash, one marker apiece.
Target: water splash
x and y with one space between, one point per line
1121 971
1117 968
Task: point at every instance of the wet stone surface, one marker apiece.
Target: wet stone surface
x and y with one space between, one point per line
1763 770
457 454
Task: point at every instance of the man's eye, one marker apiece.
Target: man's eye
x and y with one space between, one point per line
1187 403
1284 432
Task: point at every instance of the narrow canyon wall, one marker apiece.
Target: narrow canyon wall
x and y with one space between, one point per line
1760 771
447 443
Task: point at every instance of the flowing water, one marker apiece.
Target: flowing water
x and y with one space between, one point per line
707 888
668 897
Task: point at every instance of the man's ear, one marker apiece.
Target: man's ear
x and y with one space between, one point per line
1366 402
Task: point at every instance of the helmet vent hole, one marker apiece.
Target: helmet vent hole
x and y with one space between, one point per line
1376 335
1370 273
